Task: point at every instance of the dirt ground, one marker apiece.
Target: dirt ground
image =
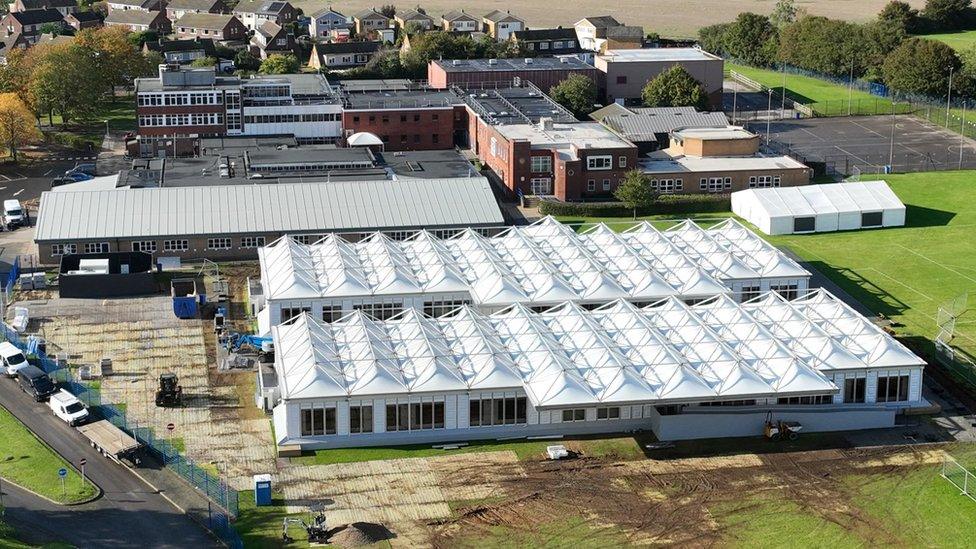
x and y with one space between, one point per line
661 16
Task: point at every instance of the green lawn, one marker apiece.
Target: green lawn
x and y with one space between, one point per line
120 114
958 40
30 463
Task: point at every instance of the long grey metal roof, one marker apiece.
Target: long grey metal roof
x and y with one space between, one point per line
263 208
645 122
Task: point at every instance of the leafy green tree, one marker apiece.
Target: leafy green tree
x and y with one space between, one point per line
674 88
139 39
54 29
751 38
66 80
921 66
784 13
388 10
245 60
427 46
202 62
880 39
823 45
901 15
385 64
577 93
712 38
279 64
635 191
943 15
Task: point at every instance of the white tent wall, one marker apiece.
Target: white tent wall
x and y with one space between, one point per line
745 206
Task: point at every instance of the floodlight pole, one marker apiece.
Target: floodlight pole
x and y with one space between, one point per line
850 88
891 143
949 96
769 109
782 94
962 133
735 99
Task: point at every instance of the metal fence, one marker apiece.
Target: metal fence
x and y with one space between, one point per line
215 489
959 476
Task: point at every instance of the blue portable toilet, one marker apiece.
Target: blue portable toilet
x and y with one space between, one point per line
262 490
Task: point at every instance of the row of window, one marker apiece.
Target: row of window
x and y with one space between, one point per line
497 411
385 118
195 119
556 45
715 184
762 181
169 246
890 389
318 167
604 162
186 98
291 118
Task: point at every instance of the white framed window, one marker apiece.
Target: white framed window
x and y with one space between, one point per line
612 412
712 184
148 246
542 164
381 311
96 247
249 242
443 308
176 245
591 185
218 243
331 313
64 249
360 419
622 162
318 420
412 416
491 410
288 313
606 184
600 162
576 414
893 387
763 181
728 182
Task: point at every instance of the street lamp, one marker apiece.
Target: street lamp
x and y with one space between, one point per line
949 95
769 114
782 94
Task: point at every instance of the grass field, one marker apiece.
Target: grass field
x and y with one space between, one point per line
28 462
958 40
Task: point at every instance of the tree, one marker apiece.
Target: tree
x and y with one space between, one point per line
751 38
712 38
880 39
635 191
921 66
140 38
823 45
54 29
427 46
674 88
900 15
784 13
577 93
389 10
65 80
946 14
17 126
202 62
279 64
385 64
245 61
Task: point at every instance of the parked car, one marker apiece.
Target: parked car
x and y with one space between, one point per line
61 180
87 168
35 383
11 359
68 408
13 213
77 176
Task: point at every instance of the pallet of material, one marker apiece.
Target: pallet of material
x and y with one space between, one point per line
110 439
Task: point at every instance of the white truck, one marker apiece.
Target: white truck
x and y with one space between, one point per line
112 442
68 408
13 213
12 360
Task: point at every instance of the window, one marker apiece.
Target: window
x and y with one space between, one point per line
497 411
416 118
604 162
543 45
750 292
788 291
435 138
612 412
248 242
380 311
711 184
804 224
542 164
729 403
415 416
893 388
606 184
318 421
622 162
763 181
331 313
621 79
854 390
591 185
176 245
666 186
288 313
815 399
96 248
443 308
64 249
577 414
218 243
871 219
360 419
148 246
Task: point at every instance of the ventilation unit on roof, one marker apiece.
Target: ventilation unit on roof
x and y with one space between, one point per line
455 62
564 60
528 60
545 123
398 154
492 61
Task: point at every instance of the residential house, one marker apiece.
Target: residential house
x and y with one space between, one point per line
342 55
64 6
12 43
138 20
178 8
254 12
624 37
409 20
29 23
324 21
84 20
458 21
591 32
220 27
182 52
370 20
558 41
140 5
501 24
270 38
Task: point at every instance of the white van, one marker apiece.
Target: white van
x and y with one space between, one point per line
13 213
12 360
67 407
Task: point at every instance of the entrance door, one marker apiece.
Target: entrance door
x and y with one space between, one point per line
541 186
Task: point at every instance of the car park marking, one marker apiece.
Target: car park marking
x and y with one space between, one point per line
18 192
48 172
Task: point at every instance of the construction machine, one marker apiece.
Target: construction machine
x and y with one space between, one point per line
170 391
780 430
317 530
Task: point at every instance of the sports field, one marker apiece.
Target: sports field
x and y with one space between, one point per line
958 40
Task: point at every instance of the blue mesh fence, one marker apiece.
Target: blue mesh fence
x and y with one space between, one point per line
215 489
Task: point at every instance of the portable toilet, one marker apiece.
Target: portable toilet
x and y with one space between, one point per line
262 490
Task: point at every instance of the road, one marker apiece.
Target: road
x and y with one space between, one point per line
129 514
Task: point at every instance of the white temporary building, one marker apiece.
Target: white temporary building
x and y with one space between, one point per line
820 208
412 377
538 265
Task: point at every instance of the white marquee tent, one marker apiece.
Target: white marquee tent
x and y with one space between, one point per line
820 208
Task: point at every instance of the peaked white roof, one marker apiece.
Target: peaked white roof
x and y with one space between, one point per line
809 200
540 264
569 356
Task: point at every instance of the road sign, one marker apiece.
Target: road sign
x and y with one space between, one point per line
170 426
83 462
62 472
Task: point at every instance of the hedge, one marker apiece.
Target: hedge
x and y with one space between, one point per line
664 204
74 141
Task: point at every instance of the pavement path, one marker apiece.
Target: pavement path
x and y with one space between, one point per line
129 514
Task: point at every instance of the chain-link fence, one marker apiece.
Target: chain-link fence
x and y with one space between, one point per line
215 489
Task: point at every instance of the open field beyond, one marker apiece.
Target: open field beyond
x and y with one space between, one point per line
958 40
659 16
